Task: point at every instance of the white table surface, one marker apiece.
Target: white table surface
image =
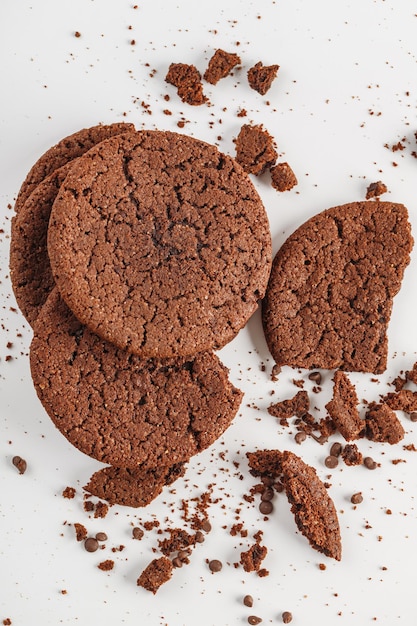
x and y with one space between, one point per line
345 94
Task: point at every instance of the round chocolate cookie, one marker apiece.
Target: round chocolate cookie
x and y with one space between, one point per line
132 487
122 410
330 293
65 150
160 244
30 270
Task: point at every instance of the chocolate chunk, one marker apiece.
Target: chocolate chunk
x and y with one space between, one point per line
20 464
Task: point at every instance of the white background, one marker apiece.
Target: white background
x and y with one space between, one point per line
346 92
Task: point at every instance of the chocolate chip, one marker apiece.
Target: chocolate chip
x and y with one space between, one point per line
331 461
101 536
315 377
215 565
254 619
176 562
206 526
369 463
356 498
336 449
91 544
137 533
300 436
266 507
248 601
286 617
413 416
20 464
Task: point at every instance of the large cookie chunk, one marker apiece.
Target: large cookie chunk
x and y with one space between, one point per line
332 284
160 244
122 410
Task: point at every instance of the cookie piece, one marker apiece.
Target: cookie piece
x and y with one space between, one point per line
313 509
122 410
160 244
255 150
330 294
282 177
261 77
187 79
132 487
382 424
343 408
158 572
220 66
403 400
297 406
65 150
30 270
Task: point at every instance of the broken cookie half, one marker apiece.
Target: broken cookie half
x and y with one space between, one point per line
330 293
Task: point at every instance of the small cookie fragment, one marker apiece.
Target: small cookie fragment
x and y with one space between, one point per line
220 65
255 150
253 557
158 572
132 487
283 177
382 424
187 79
311 505
343 408
403 400
260 77
351 454
297 406
375 190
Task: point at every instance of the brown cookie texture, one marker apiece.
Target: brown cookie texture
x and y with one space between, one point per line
187 79
158 572
313 509
332 284
132 487
122 410
261 77
160 244
30 270
382 424
255 149
343 408
220 65
65 150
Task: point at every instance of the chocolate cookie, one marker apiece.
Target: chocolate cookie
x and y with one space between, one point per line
30 270
65 150
332 284
122 410
160 244
132 487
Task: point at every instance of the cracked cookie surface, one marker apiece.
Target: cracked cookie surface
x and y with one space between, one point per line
160 244
64 151
122 410
332 284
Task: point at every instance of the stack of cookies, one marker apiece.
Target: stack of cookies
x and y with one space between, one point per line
134 256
